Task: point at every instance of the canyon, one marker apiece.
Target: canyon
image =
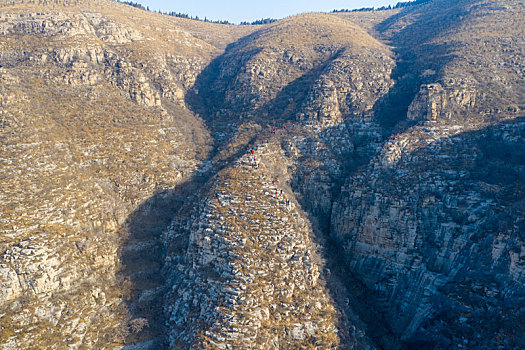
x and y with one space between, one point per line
345 180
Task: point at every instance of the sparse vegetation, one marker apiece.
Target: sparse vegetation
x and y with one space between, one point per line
398 5
260 21
130 197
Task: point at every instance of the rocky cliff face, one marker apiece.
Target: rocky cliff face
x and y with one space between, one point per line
93 125
433 225
326 181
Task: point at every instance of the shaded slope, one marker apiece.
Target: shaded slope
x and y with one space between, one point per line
248 80
408 219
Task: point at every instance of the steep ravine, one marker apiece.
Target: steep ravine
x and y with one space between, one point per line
325 99
331 131
169 183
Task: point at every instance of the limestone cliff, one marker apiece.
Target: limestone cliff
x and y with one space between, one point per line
433 225
342 180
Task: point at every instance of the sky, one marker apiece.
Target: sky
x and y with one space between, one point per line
236 11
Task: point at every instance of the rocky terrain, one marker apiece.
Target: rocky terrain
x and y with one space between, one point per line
93 125
344 180
434 224
248 275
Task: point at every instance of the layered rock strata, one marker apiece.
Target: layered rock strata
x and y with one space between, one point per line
433 224
134 213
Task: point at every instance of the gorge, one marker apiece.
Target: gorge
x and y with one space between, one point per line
349 180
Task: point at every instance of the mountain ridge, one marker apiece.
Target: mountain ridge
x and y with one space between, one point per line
311 183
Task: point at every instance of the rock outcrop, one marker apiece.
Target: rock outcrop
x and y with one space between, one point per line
342 180
248 275
432 225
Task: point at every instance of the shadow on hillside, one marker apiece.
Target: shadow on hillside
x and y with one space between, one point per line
419 60
292 96
494 167
209 95
141 257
